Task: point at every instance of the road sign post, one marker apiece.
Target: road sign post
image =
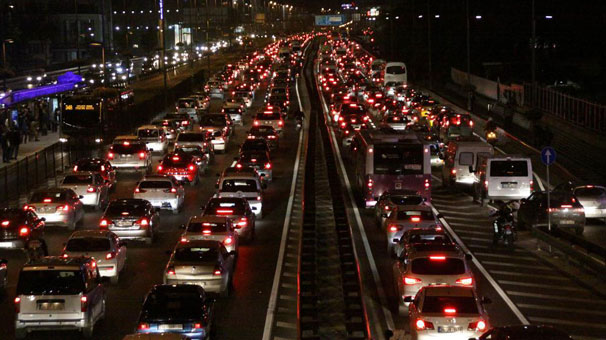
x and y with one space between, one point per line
548 157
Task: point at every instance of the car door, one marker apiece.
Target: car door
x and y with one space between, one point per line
100 183
94 293
528 209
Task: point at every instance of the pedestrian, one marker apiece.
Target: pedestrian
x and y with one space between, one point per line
56 119
35 122
14 140
4 143
23 123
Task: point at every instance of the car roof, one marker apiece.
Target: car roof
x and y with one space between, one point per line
91 233
199 243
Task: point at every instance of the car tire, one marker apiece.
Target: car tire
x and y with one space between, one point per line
20 333
87 331
114 279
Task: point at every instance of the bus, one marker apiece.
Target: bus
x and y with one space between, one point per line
386 160
87 118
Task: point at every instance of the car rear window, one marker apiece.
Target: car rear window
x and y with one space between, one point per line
226 207
244 185
428 266
269 115
407 214
89 166
191 137
48 197
125 210
87 244
196 254
50 282
429 239
78 179
395 70
127 149
155 185
175 304
406 200
589 192
176 161
147 133
462 304
213 227
507 168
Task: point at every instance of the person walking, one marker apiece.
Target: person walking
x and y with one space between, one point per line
23 122
14 139
56 119
4 143
35 122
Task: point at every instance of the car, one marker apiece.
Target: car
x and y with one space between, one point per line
215 228
154 138
131 219
3 273
129 153
183 309
593 200
237 210
418 236
181 121
183 167
267 133
202 139
169 126
206 263
245 96
429 264
235 111
90 187
258 160
393 198
76 299
162 191
271 118
219 125
447 312
255 144
524 332
188 106
102 245
565 210
19 227
405 217
396 122
200 156
100 165
241 181
58 206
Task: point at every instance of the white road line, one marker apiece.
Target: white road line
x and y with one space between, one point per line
568 322
566 298
517 265
561 309
484 272
371 260
271 307
506 256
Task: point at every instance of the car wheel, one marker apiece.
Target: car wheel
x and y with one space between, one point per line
87 331
114 279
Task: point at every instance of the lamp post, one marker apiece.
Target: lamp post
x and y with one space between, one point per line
163 54
102 45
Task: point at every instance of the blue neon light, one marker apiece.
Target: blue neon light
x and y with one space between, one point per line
65 82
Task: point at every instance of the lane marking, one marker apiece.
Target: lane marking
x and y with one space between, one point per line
536 276
484 272
538 285
517 265
371 260
271 307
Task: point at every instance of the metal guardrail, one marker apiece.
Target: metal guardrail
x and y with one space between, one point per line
581 251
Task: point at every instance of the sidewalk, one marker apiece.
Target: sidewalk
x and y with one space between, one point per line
32 147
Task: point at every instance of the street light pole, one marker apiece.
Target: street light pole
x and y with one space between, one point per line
207 41
163 54
429 41
468 43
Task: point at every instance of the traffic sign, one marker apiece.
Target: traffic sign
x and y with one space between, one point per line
330 20
548 155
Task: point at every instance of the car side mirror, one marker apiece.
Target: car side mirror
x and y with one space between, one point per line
408 299
485 300
468 257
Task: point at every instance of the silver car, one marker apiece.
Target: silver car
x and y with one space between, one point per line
162 191
131 218
154 138
60 206
201 262
90 187
211 228
129 154
593 200
406 217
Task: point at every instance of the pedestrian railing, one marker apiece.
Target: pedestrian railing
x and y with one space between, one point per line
577 111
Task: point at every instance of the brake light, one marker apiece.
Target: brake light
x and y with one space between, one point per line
206 231
427 184
29 207
191 167
423 325
243 222
531 185
173 190
91 189
479 325
110 155
411 281
228 241
465 281
437 258
370 183
75 168
143 326
143 222
83 303
280 123
103 223
217 271
566 206
138 191
23 231
141 155
110 255
393 228
197 325
170 270
268 166
450 310
64 208
453 171
17 304
256 123
160 168
415 219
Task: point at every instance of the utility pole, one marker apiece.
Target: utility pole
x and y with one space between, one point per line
77 35
163 49
207 40
468 43
125 26
429 40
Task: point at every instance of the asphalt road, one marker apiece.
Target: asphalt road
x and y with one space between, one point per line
242 315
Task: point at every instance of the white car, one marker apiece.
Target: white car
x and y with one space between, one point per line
89 186
102 245
214 228
243 182
235 111
59 206
154 138
163 192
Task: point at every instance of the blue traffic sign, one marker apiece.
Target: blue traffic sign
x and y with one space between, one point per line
548 155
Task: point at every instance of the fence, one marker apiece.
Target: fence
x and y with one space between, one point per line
578 111
38 170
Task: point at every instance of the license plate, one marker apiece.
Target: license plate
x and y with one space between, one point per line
566 222
509 185
50 305
123 224
170 327
448 329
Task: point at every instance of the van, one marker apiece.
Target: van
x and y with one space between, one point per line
395 72
57 292
459 156
503 178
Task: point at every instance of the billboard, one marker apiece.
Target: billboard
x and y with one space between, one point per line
330 20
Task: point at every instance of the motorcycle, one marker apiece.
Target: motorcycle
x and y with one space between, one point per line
299 120
503 225
491 137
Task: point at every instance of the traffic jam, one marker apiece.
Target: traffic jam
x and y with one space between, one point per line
223 143
409 157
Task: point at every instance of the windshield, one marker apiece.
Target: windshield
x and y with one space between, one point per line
428 266
172 304
147 133
244 185
50 282
393 159
507 168
88 244
395 70
196 254
49 197
89 166
462 304
78 179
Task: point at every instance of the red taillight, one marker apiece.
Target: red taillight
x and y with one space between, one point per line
393 228
479 325
206 231
228 241
450 310
453 171
143 326
531 185
218 271
191 167
47 200
173 190
197 325
138 190
91 189
427 184
225 212
243 222
566 206
63 208
110 155
110 255
17 304
103 223
23 231
411 281
280 123
29 207
142 155
423 325
370 183
437 258
268 166
160 168
170 271
415 219
256 123
143 222
465 281
83 303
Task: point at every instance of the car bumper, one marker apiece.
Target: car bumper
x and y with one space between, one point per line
210 286
60 322
131 234
591 212
108 270
12 244
129 165
188 334
56 219
518 195
434 335
90 199
218 145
